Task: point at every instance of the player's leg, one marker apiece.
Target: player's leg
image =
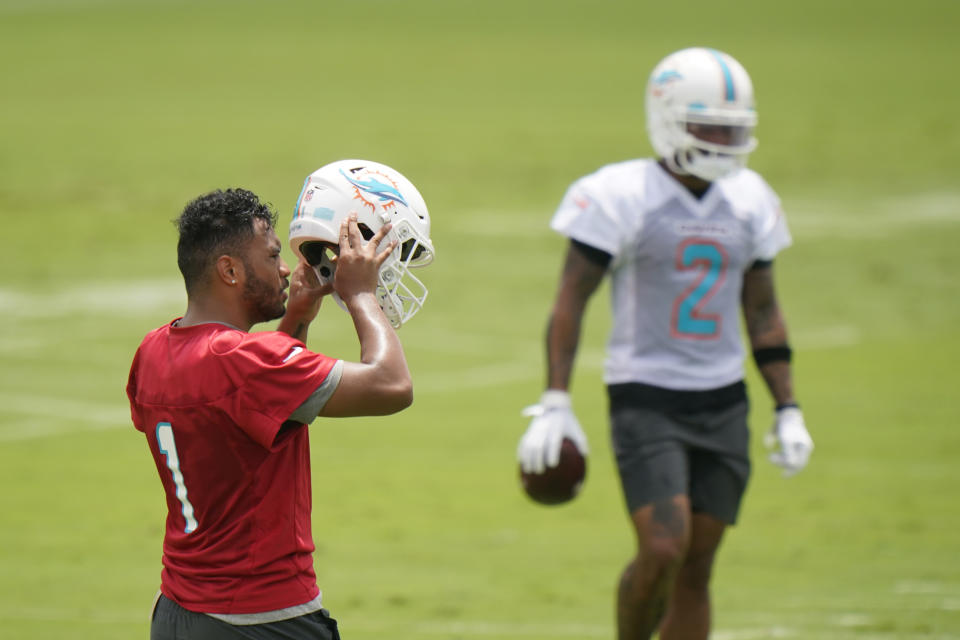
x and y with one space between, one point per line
719 471
688 614
653 472
663 531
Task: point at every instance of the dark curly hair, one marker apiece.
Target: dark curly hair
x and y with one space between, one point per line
217 223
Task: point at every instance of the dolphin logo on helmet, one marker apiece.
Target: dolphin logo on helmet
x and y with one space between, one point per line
383 191
386 196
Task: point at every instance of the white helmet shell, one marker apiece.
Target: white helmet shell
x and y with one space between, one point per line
702 87
378 195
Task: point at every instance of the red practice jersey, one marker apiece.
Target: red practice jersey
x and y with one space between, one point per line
211 401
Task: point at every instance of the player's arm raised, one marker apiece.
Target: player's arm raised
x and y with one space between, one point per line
306 293
380 382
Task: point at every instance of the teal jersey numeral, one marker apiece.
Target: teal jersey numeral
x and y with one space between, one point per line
710 260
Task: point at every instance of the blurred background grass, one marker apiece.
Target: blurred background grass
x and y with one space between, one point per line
115 114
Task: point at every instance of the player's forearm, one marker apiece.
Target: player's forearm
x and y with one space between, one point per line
294 327
772 354
380 350
303 303
778 377
767 332
563 339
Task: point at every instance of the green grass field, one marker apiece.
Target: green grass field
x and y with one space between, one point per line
115 113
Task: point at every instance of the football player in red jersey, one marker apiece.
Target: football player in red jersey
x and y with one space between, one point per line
224 412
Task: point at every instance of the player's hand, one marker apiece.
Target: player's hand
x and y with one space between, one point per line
358 261
553 420
790 441
306 292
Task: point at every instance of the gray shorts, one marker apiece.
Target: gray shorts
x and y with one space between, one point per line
693 443
172 622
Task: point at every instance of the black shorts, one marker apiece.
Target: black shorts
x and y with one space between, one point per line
693 443
170 621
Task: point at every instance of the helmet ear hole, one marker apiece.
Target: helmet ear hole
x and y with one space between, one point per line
313 252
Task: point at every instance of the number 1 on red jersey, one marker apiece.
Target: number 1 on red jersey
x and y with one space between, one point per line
168 447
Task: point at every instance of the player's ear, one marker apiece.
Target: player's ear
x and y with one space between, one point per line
229 270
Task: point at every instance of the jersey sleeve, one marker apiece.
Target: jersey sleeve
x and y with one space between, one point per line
771 234
275 375
132 393
583 216
312 406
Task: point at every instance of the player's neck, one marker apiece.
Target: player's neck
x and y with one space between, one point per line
201 310
696 186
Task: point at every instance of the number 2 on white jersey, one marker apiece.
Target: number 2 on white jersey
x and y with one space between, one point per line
168 447
710 259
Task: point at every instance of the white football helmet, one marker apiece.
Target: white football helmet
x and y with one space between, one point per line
704 87
378 195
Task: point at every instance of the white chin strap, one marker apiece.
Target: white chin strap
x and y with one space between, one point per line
707 166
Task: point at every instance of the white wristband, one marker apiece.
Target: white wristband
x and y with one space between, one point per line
555 399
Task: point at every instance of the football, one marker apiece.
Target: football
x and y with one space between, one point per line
558 484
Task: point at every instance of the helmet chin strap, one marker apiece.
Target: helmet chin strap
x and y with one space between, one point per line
685 168
706 165
674 165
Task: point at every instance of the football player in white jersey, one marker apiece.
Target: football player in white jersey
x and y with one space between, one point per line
688 240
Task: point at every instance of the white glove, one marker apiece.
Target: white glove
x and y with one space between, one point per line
790 441
553 420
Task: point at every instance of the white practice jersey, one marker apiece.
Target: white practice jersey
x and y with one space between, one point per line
677 268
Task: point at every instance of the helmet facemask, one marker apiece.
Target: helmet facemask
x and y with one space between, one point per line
702 155
400 293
